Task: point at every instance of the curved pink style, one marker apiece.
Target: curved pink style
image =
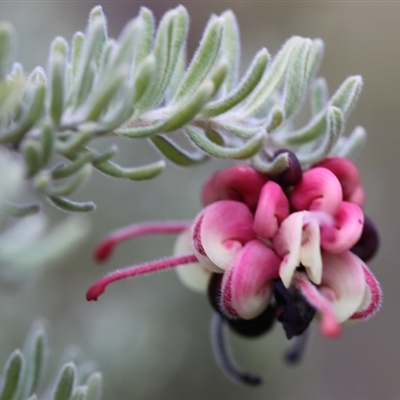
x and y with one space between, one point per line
346 231
107 245
99 287
246 289
319 190
239 182
272 209
349 177
222 230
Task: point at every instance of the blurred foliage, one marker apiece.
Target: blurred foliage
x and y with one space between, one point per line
24 373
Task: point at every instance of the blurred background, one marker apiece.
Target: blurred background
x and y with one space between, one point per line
150 336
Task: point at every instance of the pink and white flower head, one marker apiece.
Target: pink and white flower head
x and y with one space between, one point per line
289 248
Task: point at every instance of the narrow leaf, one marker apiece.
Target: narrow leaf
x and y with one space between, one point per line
65 383
79 393
230 48
271 78
21 210
350 146
248 149
7 47
175 153
73 183
244 88
94 386
32 157
46 142
72 205
57 75
202 62
148 171
347 95
319 96
274 167
73 167
11 375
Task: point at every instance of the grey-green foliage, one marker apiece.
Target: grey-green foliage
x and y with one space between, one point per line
24 373
28 245
139 86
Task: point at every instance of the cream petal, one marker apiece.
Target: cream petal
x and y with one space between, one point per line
343 283
192 275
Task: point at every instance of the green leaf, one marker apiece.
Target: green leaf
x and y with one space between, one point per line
7 47
32 156
179 115
144 41
65 383
335 127
230 48
94 386
46 142
175 153
297 78
169 40
248 149
11 92
347 95
349 147
35 349
186 112
72 205
74 142
11 375
57 67
271 79
203 61
32 111
110 153
83 159
319 96
274 167
148 171
72 184
316 56
79 393
245 87
143 78
21 210
76 53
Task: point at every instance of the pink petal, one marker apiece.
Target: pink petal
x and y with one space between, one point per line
246 286
272 209
239 182
297 242
192 275
222 230
348 176
372 300
343 283
319 190
349 221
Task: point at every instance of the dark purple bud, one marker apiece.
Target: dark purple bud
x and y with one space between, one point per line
292 309
368 243
292 174
214 293
256 326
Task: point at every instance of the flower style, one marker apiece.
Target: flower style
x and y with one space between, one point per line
286 248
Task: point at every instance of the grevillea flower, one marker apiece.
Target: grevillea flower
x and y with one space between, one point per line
289 248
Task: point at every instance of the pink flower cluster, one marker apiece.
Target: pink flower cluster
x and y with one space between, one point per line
281 248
